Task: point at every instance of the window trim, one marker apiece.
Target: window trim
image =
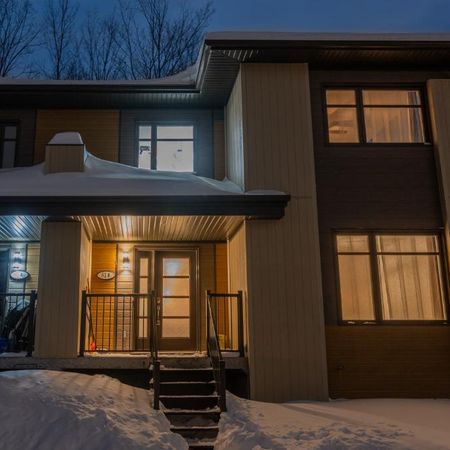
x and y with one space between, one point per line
358 88
154 124
377 303
9 123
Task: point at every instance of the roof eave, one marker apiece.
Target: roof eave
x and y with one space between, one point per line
253 206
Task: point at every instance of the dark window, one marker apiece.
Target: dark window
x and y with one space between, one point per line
8 141
390 277
166 147
375 116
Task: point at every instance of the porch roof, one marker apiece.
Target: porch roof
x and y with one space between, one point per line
130 228
108 188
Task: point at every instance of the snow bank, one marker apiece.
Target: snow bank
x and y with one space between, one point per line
43 410
346 424
106 178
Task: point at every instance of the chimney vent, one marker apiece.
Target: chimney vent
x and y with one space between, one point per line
65 153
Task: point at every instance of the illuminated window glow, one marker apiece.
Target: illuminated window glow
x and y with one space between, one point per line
400 276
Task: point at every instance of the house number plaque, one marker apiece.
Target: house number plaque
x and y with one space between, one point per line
106 275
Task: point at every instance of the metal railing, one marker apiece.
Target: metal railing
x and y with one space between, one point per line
155 362
17 321
215 355
122 323
227 311
115 323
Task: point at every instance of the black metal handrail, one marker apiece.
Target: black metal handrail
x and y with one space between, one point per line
155 362
17 320
227 310
214 353
122 323
115 323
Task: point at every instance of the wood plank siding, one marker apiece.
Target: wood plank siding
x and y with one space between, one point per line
219 149
383 187
409 361
98 128
25 119
269 144
63 272
202 120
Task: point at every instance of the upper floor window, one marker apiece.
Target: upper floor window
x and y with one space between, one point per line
390 277
375 116
8 139
166 147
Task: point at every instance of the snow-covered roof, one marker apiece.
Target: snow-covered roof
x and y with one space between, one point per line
185 78
323 36
106 178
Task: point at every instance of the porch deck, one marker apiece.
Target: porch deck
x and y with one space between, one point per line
131 361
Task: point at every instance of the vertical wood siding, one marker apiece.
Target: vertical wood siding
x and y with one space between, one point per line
64 251
234 139
98 128
219 149
285 308
237 274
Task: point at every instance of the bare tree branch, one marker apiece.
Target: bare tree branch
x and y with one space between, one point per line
60 38
18 34
100 48
164 42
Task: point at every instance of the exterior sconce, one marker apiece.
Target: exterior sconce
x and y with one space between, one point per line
17 260
125 261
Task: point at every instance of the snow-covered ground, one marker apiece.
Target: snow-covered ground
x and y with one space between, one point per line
41 410
46 410
345 424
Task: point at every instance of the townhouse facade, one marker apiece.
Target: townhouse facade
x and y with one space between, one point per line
304 175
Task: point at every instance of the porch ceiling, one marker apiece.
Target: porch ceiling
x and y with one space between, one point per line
130 228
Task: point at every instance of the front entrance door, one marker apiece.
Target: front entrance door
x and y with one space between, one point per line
172 275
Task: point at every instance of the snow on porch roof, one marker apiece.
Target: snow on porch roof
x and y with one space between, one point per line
111 188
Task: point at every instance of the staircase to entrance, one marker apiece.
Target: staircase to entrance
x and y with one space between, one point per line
191 390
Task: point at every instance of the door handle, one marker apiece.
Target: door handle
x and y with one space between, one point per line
158 311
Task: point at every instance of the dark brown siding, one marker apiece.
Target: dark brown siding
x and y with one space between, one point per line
380 187
201 119
388 361
25 144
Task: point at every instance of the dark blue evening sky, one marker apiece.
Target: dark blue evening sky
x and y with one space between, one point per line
321 15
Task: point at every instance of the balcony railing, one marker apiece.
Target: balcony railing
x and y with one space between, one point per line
17 322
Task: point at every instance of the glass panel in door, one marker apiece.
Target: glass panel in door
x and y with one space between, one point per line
176 290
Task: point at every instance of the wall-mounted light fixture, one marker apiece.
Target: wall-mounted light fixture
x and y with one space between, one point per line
17 260
125 261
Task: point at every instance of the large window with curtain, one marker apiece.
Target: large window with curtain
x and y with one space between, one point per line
391 277
375 116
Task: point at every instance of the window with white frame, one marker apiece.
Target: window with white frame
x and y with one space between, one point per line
166 147
375 116
391 277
